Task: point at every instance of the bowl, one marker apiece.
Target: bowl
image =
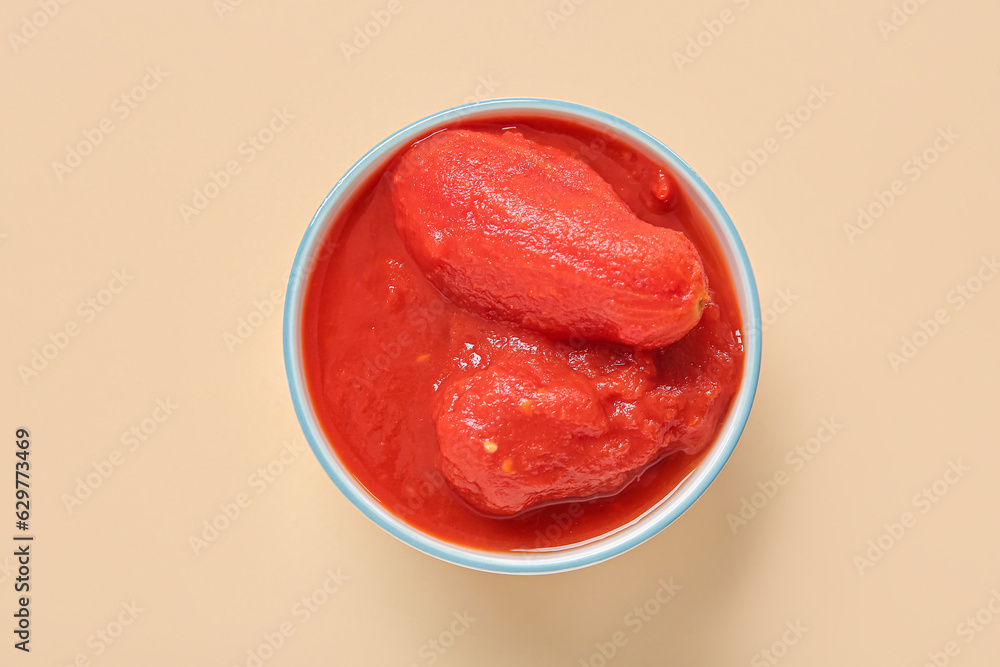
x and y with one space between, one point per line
615 541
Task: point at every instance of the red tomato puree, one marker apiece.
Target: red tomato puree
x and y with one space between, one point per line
395 369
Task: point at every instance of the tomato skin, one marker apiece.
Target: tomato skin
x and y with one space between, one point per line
511 229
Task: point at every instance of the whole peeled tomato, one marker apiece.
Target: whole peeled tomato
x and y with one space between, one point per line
514 230
522 420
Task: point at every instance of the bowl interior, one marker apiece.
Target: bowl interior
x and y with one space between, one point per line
625 537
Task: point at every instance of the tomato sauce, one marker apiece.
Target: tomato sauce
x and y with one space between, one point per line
376 336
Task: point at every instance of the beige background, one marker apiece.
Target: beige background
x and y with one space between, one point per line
164 336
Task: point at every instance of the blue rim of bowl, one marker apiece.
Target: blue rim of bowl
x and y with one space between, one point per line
641 528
